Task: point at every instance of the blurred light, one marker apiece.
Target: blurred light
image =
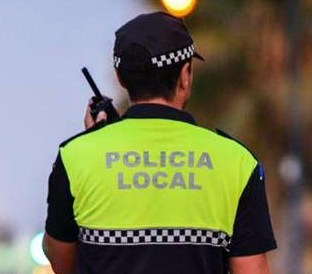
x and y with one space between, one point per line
179 8
43 270
291 169
36 250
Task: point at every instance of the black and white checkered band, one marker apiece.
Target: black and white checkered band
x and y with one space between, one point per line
166 59
154 236
173 57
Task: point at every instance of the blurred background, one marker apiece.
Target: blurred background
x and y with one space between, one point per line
255 85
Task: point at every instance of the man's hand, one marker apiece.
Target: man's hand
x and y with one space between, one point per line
88 120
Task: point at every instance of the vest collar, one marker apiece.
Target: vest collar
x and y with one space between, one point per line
158 111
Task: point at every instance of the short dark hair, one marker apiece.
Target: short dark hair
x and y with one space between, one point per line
144 82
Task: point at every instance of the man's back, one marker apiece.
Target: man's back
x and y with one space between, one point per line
155 195
170 173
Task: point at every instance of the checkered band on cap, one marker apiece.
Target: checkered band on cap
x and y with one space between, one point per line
155 236
173 57
166 59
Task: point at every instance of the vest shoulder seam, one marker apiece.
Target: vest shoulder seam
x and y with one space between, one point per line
223 134
96 127
226 135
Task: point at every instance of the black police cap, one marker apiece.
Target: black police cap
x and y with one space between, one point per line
163 36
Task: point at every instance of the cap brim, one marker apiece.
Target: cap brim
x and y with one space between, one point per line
198 56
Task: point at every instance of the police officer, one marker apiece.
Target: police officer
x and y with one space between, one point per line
154 192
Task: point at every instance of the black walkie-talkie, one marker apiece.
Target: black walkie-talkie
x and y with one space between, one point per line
100 102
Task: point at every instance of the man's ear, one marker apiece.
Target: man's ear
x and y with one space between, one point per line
119 79
186 76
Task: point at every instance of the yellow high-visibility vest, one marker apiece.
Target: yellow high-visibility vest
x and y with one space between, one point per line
156 173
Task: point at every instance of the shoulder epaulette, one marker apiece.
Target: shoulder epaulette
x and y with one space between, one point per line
97 126
222 133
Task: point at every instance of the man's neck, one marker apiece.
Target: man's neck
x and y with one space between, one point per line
159 101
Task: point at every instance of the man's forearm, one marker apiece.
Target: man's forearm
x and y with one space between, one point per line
255 264
61 255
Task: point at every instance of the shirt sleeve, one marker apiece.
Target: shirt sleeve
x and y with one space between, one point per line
253 233
60 222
